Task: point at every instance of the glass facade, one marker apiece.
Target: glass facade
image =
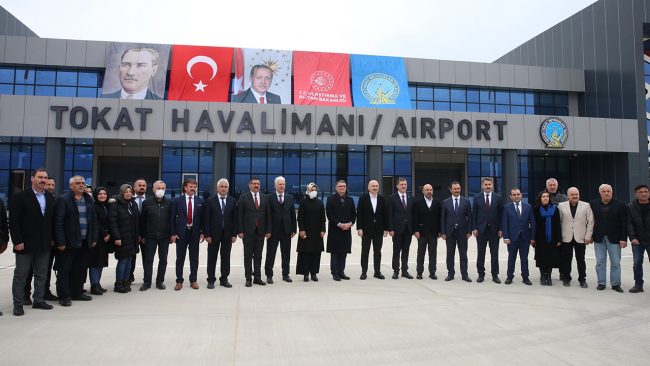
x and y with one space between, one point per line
180 158
535 167
60 82
483 163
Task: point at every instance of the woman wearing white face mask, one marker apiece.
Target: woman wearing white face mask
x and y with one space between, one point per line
154 224
311 223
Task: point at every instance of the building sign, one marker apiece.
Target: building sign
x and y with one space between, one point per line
554 132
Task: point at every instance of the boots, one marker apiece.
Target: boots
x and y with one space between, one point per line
94 289
120 287
127 285
548 277
543 276
99 286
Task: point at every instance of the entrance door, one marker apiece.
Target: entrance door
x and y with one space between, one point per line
18 181
439 175
387 186
117 170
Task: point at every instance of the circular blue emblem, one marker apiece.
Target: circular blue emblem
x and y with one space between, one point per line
380 88
554 132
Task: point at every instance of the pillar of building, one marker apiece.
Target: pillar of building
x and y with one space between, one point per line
510 172
375 164
55 162
220 163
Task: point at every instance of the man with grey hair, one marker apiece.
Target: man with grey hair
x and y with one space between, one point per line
220 230
610 235
577 221
553 193
155 216
285 227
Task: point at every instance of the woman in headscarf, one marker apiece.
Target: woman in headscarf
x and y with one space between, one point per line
123 224
99 253
548 238
311 223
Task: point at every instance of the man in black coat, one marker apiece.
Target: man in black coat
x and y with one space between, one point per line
610 235
75 232
155 215
426 221
284 227
372 227
400 226
254 224
220 230
4 230
638 230
486 220
341 215
31 233
456 228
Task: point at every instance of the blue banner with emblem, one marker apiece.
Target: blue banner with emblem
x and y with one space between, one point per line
379 82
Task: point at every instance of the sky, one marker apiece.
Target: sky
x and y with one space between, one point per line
468 30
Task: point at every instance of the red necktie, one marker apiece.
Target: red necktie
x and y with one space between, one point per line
261 100
403 202
256 207
487 203
189 213
280 196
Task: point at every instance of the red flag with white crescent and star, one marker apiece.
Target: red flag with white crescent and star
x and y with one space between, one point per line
200 73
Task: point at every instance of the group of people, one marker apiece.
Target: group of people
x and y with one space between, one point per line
83 226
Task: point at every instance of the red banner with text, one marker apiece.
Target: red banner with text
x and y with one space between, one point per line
200 73
321 79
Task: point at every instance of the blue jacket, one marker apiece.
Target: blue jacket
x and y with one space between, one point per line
449 218
480 213
512 224
178 224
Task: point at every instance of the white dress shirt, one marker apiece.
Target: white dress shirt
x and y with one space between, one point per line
428 201
257 96
139 95
373 201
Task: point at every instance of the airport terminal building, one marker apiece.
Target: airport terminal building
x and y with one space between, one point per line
567 104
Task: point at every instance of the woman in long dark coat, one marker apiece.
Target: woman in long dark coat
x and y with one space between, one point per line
548 238
123 225
99 253
311 223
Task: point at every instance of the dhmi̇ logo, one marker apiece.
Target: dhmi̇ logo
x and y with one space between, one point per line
380 88
554 132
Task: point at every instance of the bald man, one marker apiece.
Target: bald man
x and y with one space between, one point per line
426 223
372 227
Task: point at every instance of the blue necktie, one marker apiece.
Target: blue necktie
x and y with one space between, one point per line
223 210
456 205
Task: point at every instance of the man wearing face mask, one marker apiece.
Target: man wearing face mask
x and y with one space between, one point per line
154 226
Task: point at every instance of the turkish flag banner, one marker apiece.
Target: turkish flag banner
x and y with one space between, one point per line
321 79
200 73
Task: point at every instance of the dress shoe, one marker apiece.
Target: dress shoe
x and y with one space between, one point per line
160 286
395 275
419 276
379 275
583 284
96 291
449 278
526 281
269 280
336 277
566 283
194 285
50 297
286 278
467 279
225 284
0 313
407 275
343 276
82 297
258 281
27 301
249 283
145 286
617 288
314 278
65 302
601 287
549 282
178 286
496 279
480 279
306 279
18 310
433 276
636 289
362 277
542 280
42 305
99 286
509 280
210 285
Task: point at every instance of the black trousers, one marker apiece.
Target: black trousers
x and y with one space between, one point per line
182 246
220 245
148 254
567 259
30 275
72 265
482 243
401 245
272 248
456 239
337 263
376 239
308 263
253 247
142 257
427 242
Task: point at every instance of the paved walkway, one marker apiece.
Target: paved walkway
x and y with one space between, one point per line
372 322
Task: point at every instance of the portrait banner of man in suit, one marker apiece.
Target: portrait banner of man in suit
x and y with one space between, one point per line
136 71
262 76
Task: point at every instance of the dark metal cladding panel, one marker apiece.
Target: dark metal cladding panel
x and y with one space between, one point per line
539 50
524 53
577 41
628 58
557 45
567 45
548 48
591 102
600 42
613 59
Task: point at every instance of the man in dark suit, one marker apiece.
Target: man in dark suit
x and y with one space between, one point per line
341 215
519 226
610 235
426 218
220 230
31 232
254 224
4 230
456 228
372 227
261 79
284 227
400 227
187 231
486 217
